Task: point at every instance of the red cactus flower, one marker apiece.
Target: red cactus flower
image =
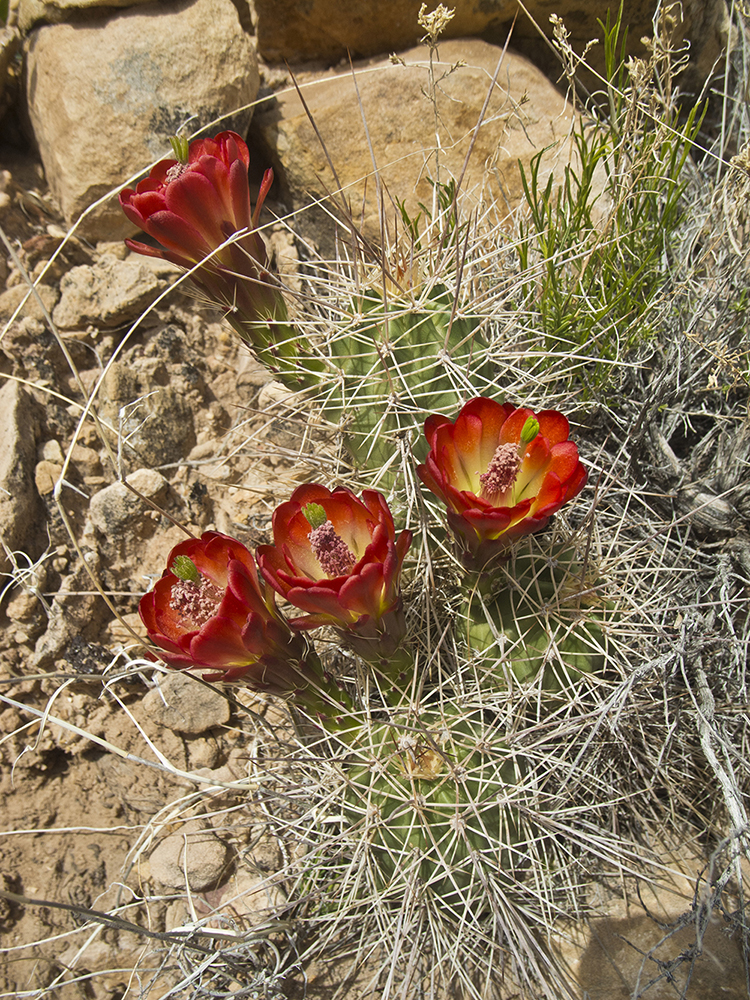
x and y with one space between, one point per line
337 558
210 610
192 206
501 471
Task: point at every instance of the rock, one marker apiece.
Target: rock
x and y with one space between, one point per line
86 461
106 294
525 116
12 298
76 614
52 451
104 95
255 897
296 30
186 706
220 798
25 610
33 12
160 428
202 753
156 422
46 475
250 373
194 859
113 509
22 515
6 188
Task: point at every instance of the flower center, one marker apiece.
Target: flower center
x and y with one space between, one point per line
175 171
502 471
195 602
331 550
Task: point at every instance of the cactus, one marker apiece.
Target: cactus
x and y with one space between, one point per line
546 616
396 365
433 794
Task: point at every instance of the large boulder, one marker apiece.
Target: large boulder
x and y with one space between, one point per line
295 30
105 94
525 115
34 12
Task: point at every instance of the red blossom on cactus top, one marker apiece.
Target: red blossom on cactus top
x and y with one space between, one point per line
192 208
501 471
211 610
336 557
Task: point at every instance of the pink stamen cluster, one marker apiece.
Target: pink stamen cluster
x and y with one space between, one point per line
502 471
195 603
331 551
175 171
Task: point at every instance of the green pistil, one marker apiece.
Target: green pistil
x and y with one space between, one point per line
180 148
185 569
530 430
315 515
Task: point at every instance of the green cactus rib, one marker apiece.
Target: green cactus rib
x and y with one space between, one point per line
398 365
434 798
541 620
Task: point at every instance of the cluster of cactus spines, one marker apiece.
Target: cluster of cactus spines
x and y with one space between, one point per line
435 788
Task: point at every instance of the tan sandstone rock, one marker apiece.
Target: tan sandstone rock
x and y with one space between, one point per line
526 115
194 858
183 704
114 509
104 96
33 12
329 29
22 515
110 292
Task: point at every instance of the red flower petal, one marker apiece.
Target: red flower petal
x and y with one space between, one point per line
366 526
431 426
460 452
550 497
576 483
319 601
178 236
245 626
511 431
238 195
219 644
194 199
553 426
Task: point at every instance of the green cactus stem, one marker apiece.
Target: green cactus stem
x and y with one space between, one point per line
434 796
545 614
398 365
